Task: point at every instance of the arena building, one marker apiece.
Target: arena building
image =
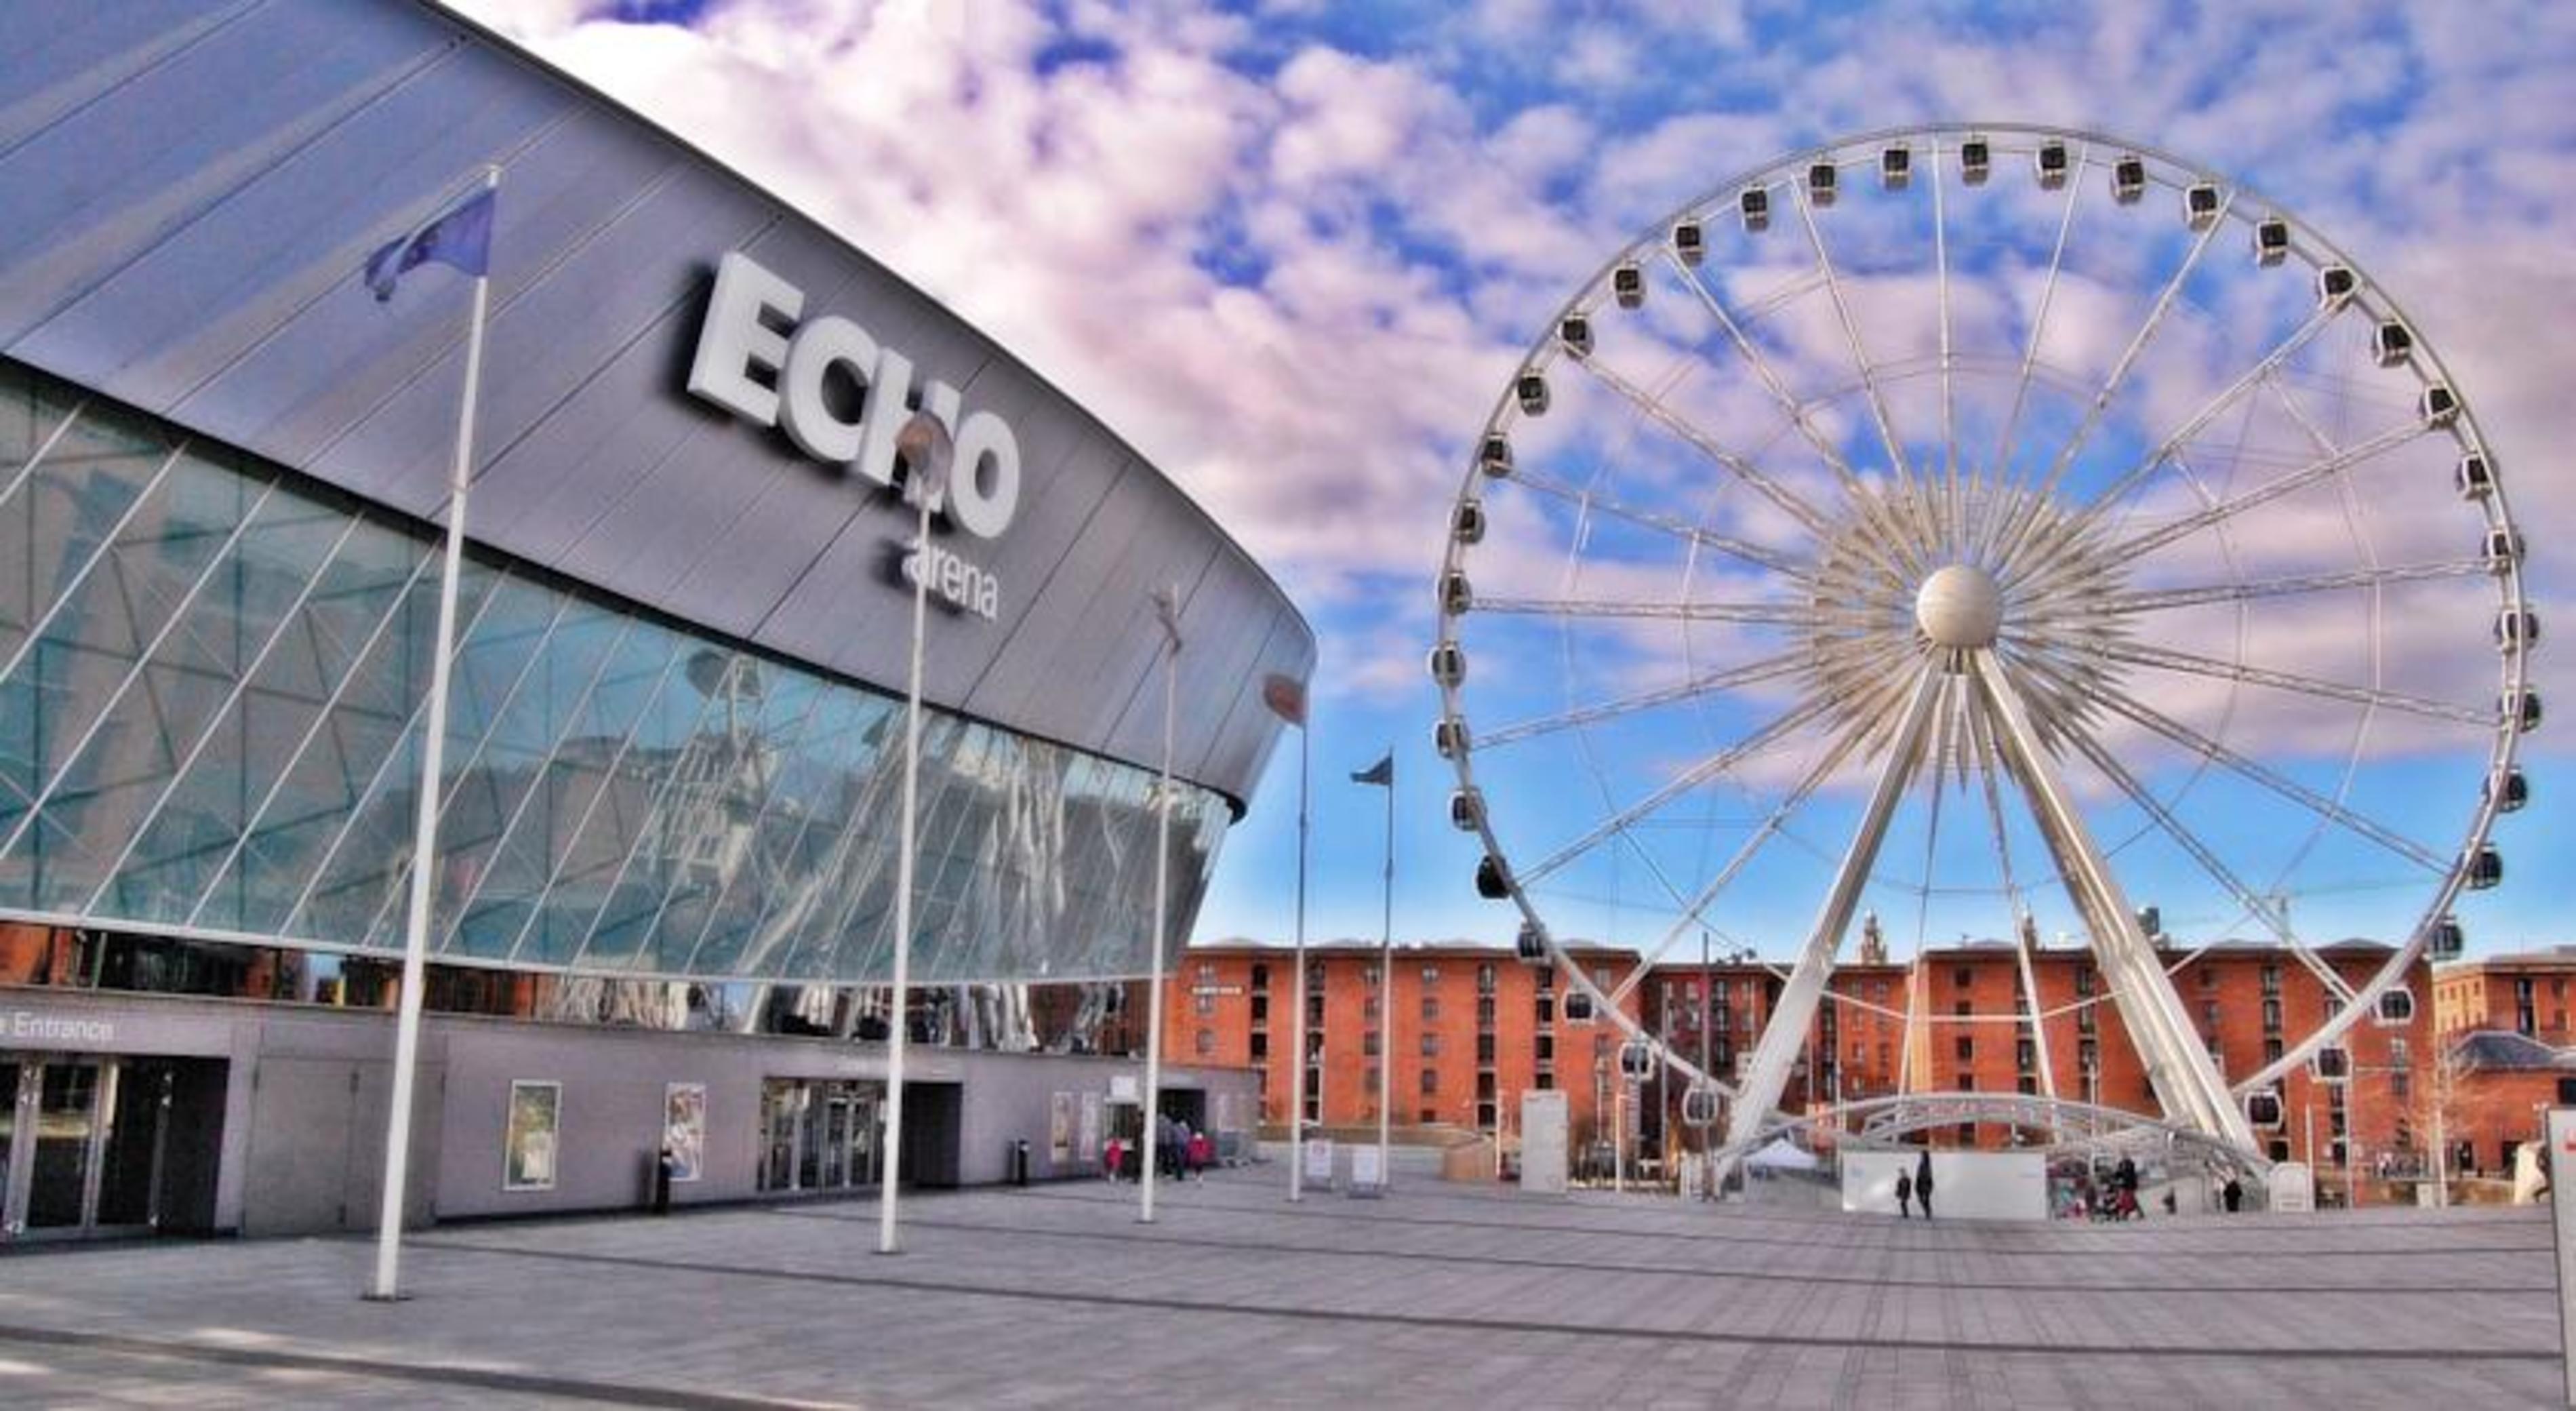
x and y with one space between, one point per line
674 739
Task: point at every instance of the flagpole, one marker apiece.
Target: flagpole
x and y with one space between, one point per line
1167 606
1386 982
1297 1049
424 843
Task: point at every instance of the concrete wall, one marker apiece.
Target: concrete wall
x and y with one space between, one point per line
305 1091
1966 1185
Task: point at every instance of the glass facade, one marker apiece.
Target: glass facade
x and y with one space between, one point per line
212 680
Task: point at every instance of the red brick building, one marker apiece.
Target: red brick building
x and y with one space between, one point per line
2491 1090
1473 1028
2524 994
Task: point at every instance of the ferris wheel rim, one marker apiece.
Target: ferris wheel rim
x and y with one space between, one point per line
1546 351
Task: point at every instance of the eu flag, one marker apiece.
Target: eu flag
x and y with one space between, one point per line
462 239
1382 772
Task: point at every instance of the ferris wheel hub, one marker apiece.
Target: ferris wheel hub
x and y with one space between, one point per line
1960 607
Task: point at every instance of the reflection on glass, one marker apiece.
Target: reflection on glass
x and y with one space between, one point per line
211 699
66 1120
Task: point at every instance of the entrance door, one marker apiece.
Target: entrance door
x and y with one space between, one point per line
86 1144
10 1070
64 1164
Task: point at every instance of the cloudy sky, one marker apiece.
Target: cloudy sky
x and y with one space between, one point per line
1295 251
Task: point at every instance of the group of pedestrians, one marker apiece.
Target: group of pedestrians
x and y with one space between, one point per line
1915 1189
1179 1152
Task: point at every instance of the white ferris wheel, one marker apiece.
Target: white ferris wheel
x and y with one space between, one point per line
1985 532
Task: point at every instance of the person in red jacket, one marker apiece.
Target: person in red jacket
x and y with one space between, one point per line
1112 1155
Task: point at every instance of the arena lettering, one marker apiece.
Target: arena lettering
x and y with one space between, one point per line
956 582
755 360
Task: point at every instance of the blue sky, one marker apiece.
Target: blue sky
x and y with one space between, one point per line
1294 252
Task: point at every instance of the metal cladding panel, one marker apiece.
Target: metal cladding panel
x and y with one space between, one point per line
186 196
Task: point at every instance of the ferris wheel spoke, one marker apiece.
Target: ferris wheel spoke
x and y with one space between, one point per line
1851 334
2171 447
2205 855
2000 467
1799 413
1682 429
2136 546
2112 384
1785 1033
1751 673
1594 502
1806 712
2164 599
1664 610
1694 911
2172 659
2122 703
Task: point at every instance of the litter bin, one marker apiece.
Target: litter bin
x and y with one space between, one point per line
1019 1161
662 1167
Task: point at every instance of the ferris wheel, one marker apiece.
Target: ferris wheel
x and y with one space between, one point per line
1992 532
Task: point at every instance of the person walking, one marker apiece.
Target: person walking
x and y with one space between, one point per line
1923 1183
2234 1194
1904 1196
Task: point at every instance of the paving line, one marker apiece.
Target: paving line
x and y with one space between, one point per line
485 1378
1518 1327
2378 1291
2539 1245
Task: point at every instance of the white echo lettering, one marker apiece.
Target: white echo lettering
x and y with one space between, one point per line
740 339
821 346
734 339
985 487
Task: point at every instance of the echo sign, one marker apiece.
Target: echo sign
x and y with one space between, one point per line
742 335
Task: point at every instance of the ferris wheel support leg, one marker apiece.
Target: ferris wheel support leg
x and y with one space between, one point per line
1784 1034
2178 1067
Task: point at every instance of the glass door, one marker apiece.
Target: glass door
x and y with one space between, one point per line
9 1159
64 1161
133 1146
836 1140
782 1107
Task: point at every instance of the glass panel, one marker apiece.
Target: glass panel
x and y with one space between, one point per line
255 551
138 1103
66 1118
55 516
8 1128
498 775
622 796
761 835
836 1139
363 877
360 740
583 782
197 822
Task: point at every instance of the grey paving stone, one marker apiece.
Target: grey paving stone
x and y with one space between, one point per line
1436 1296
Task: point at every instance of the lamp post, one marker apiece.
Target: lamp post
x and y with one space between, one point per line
927 449
1167 609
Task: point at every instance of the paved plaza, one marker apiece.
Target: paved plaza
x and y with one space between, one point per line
1438 1295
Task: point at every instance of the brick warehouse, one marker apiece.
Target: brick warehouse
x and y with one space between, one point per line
1473 1028
2505 1055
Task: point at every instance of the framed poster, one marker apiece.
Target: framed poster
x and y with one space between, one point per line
528 1147
1060 1118
684 1129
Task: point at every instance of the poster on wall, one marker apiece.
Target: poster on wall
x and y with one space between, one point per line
1060 1119
1090 1148
536 1112
684 1129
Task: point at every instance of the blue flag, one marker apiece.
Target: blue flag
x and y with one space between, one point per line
462 238
1382 772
